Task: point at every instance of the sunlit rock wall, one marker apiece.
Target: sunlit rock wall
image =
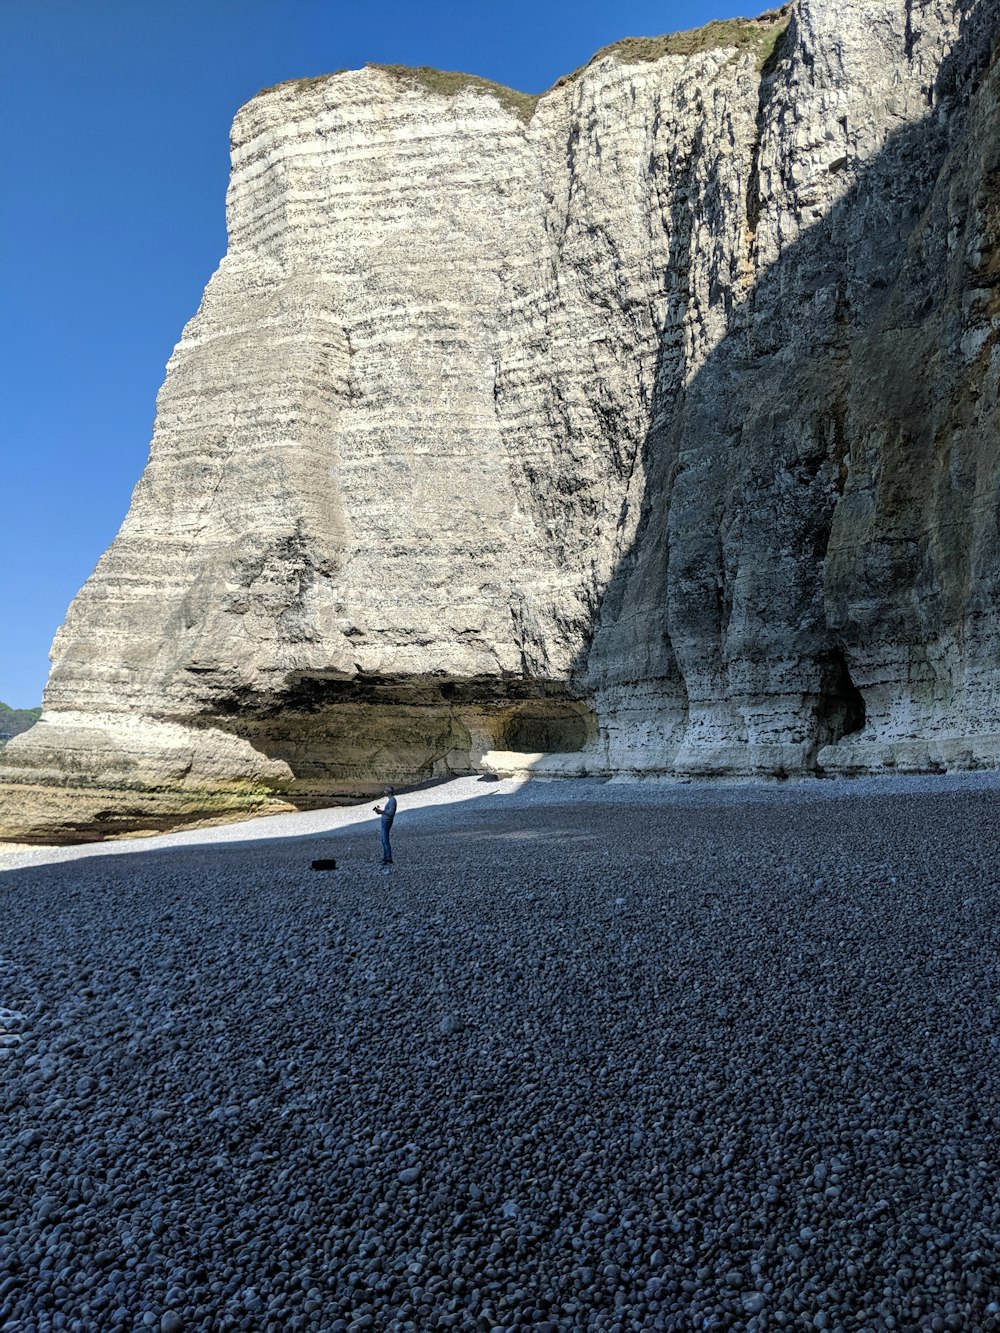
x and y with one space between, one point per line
658 429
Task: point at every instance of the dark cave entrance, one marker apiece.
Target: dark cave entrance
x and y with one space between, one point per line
841 708
552 728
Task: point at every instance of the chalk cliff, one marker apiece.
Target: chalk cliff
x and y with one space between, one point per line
648 426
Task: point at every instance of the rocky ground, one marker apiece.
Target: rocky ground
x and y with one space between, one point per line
618 1057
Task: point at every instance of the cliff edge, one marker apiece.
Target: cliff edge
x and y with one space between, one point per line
649 426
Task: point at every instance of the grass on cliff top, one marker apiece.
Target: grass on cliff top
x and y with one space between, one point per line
448 82
443 81
759 37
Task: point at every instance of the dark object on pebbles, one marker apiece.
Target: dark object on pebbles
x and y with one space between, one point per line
324 865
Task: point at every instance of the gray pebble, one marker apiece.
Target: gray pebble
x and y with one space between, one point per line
674 1114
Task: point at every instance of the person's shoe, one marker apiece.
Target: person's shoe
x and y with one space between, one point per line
387 863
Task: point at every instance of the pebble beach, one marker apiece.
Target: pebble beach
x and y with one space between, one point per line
615 1056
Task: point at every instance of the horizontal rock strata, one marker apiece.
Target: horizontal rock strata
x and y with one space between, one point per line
648 428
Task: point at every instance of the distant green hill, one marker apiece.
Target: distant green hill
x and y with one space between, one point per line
15 720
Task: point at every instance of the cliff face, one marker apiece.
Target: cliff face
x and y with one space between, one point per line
654 431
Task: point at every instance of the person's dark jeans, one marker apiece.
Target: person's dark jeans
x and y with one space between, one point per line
385 826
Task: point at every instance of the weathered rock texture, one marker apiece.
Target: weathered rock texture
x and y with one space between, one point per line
655 431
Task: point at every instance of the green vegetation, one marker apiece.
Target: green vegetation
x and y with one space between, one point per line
15 720
444 81
300 85
448 82
757 37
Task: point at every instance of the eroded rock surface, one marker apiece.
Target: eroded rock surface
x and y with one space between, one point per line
655 430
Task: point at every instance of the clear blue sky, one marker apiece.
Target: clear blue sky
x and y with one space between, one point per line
114 161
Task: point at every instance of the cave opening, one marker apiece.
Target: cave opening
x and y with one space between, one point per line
840 710
535 729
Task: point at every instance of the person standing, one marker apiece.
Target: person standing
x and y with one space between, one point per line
388 814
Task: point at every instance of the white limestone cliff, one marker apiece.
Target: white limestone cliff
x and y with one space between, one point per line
652 427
